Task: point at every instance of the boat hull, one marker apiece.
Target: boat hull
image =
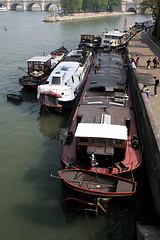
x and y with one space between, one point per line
29 81
14 97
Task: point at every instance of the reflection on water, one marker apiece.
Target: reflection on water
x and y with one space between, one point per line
51 123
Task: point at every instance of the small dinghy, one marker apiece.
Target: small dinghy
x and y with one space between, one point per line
97 185
14 97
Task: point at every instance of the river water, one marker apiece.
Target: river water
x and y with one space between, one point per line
31 203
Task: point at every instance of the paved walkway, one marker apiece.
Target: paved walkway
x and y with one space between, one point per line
143 46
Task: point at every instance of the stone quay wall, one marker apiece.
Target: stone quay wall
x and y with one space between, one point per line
150 143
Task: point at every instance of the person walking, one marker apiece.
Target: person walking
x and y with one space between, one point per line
155 61
149 63
137 61
156 83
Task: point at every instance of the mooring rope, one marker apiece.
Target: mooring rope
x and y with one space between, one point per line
89 225
48 111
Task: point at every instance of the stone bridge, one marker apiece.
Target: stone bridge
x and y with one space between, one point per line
127 5
130 6
28 4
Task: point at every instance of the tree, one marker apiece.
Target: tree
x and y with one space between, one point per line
113 3
72 5
94 5
154 6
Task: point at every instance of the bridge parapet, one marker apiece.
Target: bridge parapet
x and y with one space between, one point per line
27 4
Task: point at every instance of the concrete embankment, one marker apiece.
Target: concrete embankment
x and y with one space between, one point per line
79 16
148 117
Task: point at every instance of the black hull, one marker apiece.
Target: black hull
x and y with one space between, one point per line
32 83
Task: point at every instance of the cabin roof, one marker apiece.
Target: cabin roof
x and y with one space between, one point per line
115 33
109 131
77 52
39 58
64 68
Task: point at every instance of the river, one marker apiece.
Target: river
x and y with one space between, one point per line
31 203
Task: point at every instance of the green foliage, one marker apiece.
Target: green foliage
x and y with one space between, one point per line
85 5
154 6
72 5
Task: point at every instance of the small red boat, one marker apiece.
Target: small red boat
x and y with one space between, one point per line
97 185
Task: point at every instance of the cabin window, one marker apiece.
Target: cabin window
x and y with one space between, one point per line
35 66
100 141
83 140
118 142
56 80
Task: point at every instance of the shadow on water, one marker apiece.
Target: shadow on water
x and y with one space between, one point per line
48 202
48 207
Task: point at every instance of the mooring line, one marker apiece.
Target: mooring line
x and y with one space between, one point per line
89 225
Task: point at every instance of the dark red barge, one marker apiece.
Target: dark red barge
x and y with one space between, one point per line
102 134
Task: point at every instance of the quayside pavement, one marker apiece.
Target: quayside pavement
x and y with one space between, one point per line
144 47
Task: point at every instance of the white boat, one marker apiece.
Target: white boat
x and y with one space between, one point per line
3 9
66 81
115 39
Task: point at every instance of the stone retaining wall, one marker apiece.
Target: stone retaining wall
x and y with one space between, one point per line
150 145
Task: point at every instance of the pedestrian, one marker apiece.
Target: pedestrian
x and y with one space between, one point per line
156 83
146 90
155 61
149 63
133 64
137 61
132 60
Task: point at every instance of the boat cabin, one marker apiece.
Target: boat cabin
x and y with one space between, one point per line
114 38
63 74
100 144
88 40
39 63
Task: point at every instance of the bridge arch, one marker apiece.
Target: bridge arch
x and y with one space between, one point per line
131 9
30 5
2 5
15 5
